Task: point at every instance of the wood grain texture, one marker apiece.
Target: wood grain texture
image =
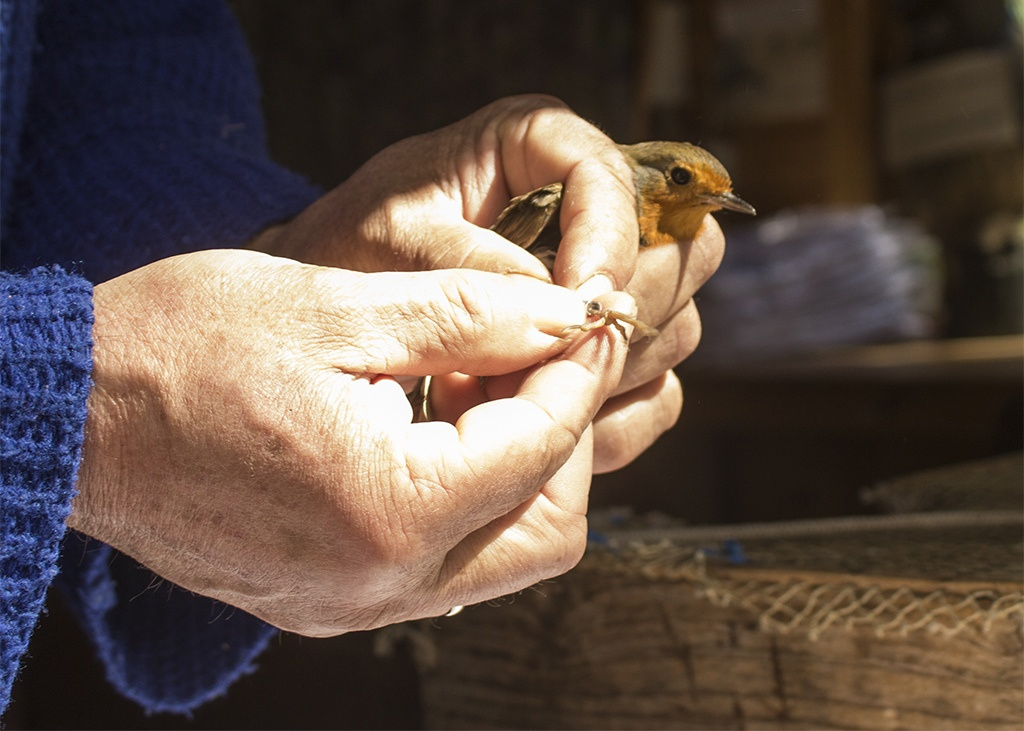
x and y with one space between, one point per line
623 642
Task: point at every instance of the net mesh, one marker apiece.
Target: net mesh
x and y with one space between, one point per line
944 579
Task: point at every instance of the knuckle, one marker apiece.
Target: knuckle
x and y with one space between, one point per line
674 395
535 101
525 114
561 439
709 248
619 449
573 544
464 308
688 332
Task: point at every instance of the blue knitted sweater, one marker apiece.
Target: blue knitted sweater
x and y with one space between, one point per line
130 131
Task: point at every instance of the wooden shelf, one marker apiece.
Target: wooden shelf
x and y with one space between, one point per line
997 358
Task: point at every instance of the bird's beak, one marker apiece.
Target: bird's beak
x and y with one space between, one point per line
732 202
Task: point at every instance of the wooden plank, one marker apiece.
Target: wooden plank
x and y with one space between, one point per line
624 652
984 358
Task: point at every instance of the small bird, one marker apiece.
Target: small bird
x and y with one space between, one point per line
677 185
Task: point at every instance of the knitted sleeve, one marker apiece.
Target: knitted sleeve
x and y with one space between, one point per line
143 138
46 359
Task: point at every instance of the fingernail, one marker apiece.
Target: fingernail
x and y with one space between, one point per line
551 308
594 287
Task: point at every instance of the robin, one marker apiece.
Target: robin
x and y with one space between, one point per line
677 185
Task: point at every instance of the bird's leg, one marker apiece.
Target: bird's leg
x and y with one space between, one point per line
600 316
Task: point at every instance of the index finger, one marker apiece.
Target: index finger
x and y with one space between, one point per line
542 141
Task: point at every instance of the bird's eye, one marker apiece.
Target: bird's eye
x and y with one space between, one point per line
680 175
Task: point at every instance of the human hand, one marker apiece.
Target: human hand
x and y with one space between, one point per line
427 202
246 438
649 396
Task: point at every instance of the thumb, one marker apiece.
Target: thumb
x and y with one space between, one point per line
458 244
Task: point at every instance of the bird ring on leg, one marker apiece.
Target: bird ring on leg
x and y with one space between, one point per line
600 316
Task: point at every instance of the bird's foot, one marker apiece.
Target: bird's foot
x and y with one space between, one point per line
600 316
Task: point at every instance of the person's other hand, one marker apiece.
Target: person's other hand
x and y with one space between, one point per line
427 202
247 438
650 395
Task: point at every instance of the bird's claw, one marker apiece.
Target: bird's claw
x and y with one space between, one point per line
599 316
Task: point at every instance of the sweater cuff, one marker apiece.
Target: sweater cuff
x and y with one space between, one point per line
46 344
162 646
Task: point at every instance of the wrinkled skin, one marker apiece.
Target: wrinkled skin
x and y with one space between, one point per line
426 202
249 436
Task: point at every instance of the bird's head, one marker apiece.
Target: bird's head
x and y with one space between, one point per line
677 185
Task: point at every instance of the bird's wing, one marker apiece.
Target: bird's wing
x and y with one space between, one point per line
530 215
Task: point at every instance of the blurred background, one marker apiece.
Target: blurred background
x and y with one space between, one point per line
866 325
